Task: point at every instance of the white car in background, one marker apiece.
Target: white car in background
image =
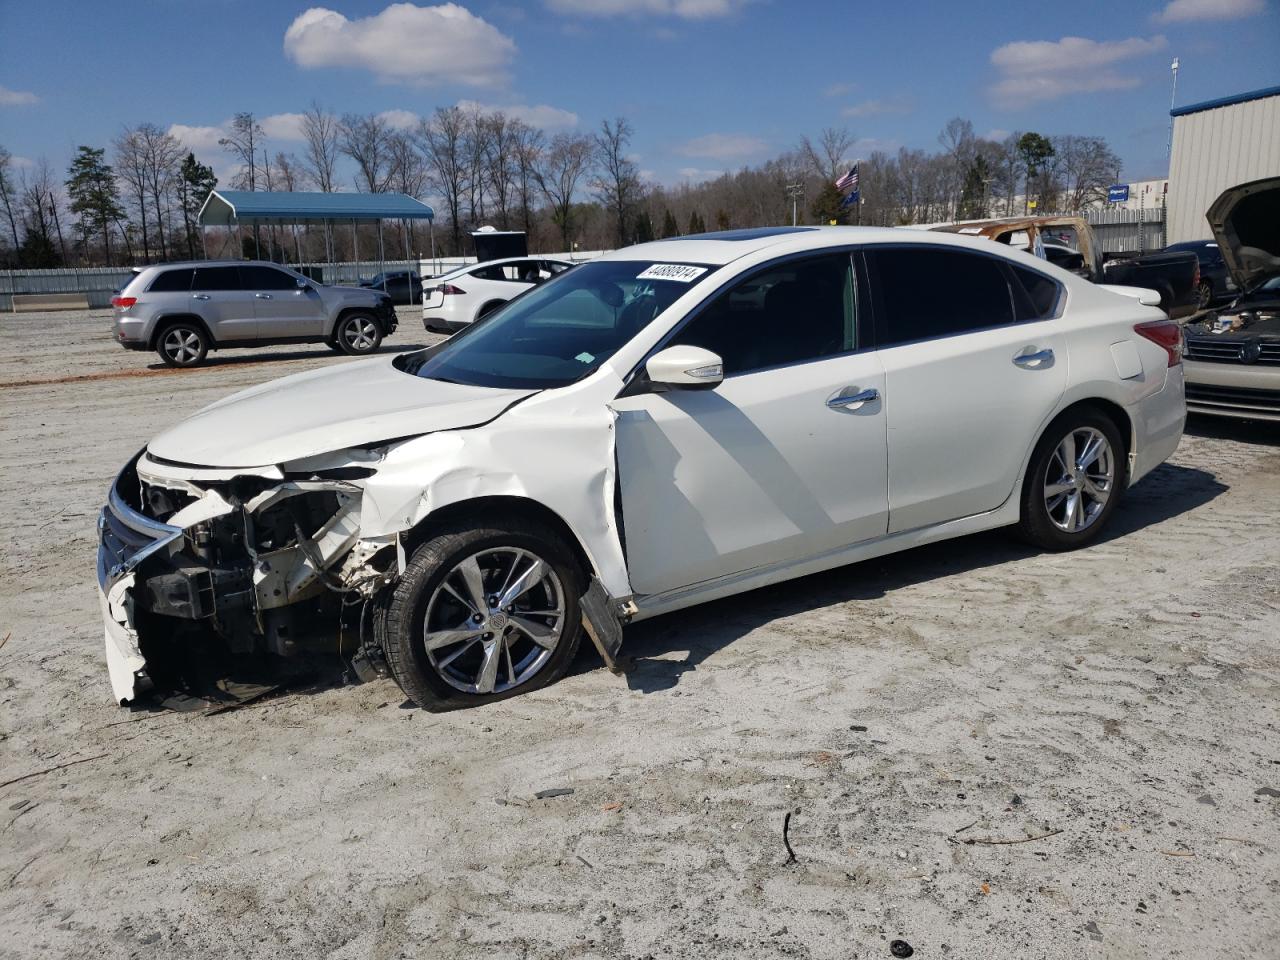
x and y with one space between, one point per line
455 300
669 424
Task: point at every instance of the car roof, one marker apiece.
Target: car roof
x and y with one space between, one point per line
467 268
726 246
188 264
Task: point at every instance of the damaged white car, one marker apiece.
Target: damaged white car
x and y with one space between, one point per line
672 423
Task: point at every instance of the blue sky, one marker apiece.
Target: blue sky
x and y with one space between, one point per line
709 85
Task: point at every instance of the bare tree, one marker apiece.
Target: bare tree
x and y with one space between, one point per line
529 144
442 138
617 184
828 158
363 138
131 165
243 142
320 130
161 156
1088 166
8 194
476 153
500 146
406 173
566 160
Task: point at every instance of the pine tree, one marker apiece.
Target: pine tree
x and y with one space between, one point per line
195 182
644 227
722 219
827 206
696 223
669 226
91 184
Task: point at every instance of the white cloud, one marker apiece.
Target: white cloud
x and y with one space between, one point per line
871 108
684 9
1034 70
404 43
399 119
723 146
1180 11
22 163
542 116
283 126
838 89
995 133
16 98
202 141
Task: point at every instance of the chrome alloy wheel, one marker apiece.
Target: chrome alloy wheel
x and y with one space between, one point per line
1079 480
494 620
181 346
359 333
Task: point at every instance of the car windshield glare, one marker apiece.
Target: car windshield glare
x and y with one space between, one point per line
560 331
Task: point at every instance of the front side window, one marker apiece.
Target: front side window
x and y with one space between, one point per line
925 292
794 312
266 278
561 330
217 278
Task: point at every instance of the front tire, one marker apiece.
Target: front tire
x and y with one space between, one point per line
1077 473
182 345
1204 294
358 334
481 614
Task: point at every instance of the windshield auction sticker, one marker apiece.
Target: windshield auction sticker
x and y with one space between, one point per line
680 272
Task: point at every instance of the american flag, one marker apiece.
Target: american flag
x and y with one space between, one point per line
849 181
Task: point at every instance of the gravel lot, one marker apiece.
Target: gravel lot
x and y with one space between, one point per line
914 713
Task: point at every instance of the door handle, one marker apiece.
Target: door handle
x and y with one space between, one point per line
844 401
199 296
263 296
1034 359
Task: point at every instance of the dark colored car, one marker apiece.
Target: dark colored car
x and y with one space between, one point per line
1233 353
1215 280
1175 276
404 287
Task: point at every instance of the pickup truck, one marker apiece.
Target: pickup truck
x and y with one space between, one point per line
1070 243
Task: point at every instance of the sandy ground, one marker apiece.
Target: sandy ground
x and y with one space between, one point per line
913 713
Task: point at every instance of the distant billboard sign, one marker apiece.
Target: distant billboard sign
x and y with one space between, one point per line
1118 194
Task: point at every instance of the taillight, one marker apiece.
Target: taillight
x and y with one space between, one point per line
1164 333
123 302
449 288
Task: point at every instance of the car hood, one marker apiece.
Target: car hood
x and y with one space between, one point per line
352 404
1246 223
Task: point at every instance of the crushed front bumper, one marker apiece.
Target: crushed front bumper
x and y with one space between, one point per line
126 537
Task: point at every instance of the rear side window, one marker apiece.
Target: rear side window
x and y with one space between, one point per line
266 278
489 273
1041 294
927 292
217 278
172 281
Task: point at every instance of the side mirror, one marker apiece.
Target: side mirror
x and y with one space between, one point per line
302 283
685 368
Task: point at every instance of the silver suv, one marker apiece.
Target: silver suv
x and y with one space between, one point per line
184 310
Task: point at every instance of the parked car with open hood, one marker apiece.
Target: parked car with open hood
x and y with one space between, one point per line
1215 279
184 310
669 424
1233 353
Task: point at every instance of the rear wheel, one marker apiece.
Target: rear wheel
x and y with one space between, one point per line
488 308
1077 473
358 334
182 345
481 615
1204 294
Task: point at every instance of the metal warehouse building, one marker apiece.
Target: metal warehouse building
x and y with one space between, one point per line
1218 144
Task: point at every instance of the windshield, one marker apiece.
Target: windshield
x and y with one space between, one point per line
561 330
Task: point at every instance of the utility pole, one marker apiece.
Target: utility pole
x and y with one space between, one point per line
1173 97
795 191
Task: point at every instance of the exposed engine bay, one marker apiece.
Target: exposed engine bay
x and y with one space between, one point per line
247 564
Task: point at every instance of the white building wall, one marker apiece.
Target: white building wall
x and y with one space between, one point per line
1215 149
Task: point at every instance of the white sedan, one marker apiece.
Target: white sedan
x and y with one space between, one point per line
458 299
667 425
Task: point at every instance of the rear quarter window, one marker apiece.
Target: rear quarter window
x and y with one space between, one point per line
1041 294
172 281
